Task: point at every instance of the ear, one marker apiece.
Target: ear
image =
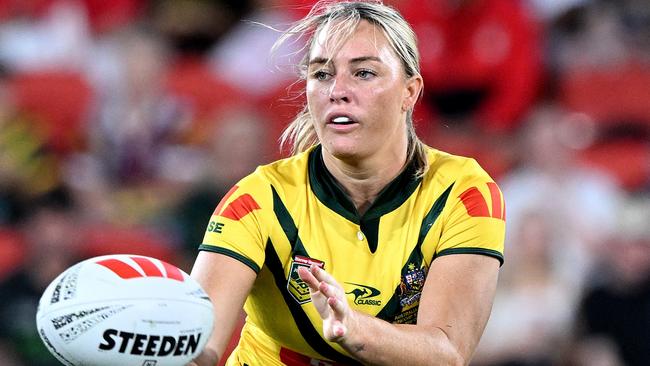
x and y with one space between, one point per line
413 90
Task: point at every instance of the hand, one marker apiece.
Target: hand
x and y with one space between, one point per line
330 301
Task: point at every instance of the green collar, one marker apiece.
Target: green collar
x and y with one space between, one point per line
331 194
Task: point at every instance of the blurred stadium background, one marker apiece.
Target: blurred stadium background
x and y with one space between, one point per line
123 122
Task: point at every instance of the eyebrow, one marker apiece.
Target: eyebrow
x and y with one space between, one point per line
356 60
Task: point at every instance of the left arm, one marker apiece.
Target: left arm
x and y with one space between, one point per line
454 308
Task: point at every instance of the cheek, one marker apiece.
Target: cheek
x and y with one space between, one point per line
310 88
387 102
314 96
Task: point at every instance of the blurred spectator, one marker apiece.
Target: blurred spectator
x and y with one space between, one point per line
194 26
45 35
587 35
135 117
635 15
615 310
481 60
580 203
238 142
51 237
548 10
533 310
598 58
241 57
599 34
27 167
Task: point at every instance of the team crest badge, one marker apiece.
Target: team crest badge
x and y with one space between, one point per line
297 288
411 285
410 290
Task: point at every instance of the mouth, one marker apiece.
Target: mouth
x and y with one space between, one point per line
341 120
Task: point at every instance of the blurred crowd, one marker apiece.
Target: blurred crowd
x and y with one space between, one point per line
124 122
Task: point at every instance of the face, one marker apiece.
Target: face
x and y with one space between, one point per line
359 99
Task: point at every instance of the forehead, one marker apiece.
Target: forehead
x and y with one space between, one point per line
366 39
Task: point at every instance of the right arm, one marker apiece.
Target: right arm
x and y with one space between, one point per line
228 282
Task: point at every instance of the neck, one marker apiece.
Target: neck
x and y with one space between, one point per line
363 180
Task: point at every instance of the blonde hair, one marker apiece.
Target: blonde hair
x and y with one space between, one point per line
346 15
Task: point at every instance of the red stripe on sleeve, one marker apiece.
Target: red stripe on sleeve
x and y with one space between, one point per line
148 267
240 207
232 190
495 192
503 214
120 268
474 203
173 272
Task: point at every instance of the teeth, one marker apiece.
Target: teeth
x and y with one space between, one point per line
341 120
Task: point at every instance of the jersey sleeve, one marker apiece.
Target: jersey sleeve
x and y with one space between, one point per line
475 218
236 226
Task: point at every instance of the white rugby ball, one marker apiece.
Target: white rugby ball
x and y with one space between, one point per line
126 310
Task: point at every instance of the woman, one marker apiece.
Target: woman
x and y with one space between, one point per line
366 246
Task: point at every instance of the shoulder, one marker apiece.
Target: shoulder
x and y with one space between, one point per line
284 171
449 168
463 180
280 175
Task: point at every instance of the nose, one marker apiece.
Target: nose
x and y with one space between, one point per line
339 91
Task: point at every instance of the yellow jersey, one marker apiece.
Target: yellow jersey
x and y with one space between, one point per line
293 213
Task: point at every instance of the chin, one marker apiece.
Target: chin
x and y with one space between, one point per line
343 151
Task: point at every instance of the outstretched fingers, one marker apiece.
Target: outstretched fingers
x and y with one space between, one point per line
329 298
337 306
322 275
308 278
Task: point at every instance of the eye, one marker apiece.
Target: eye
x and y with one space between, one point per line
365 74
321 75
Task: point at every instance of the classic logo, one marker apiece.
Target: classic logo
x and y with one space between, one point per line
297 288
363 295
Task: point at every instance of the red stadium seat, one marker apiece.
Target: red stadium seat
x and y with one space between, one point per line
192 80
58 101
12 251
105 16
609 94
627 160
280 107
20 8
113 239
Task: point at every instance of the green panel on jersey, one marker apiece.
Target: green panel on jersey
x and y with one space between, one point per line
390 311
305 326
330 193
287 224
